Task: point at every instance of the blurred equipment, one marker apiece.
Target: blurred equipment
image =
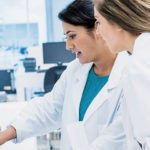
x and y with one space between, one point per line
3 96
7 81
29 64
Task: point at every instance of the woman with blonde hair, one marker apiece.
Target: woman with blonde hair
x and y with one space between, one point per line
125 25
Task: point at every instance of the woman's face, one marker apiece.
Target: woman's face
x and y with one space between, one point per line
81 42
111 34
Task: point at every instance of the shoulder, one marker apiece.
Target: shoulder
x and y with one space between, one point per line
142 43
141 50
123 55
122 60
118 69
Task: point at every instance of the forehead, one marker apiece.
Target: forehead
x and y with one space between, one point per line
69 27
100 18
103 20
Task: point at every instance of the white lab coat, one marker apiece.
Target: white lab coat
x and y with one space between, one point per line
60 109
136 93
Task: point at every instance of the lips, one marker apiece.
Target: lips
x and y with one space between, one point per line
78 53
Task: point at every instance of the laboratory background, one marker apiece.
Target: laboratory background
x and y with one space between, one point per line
32 58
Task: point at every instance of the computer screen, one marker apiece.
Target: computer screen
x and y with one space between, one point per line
55 52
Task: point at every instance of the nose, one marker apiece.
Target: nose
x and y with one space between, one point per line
69 44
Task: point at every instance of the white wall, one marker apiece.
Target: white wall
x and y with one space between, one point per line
58 5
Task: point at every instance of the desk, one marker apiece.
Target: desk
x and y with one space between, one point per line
27 83
7 112
11 98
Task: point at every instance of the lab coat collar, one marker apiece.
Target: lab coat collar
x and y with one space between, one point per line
81 78
117 70
80 81
83 71
116 73
139 44
98 101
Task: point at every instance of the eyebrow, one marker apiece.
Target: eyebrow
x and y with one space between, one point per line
68 32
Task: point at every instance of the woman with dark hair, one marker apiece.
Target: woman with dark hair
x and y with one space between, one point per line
125 25
85 98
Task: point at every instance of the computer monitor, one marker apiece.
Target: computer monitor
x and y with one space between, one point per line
55 52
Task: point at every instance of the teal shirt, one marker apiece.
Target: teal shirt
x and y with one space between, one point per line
93 85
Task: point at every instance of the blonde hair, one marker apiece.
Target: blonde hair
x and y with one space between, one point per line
131 15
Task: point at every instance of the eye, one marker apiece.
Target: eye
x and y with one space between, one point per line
72 36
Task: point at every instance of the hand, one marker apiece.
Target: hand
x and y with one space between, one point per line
8 134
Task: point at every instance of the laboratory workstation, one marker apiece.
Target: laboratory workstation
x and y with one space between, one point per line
74 75
33 56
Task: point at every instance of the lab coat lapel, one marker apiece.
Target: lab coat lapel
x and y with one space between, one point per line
97 102
80 81
112 83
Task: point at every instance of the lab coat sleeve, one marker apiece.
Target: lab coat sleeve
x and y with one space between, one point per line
41 115
111 137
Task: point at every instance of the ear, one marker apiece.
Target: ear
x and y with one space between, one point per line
95 27
98 35
96 30
118 28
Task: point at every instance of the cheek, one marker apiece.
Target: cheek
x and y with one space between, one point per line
81 42
77 44
107 35
100 30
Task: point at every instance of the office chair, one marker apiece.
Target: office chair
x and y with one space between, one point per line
51 76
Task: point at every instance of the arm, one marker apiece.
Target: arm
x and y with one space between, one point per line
41 115
8 134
